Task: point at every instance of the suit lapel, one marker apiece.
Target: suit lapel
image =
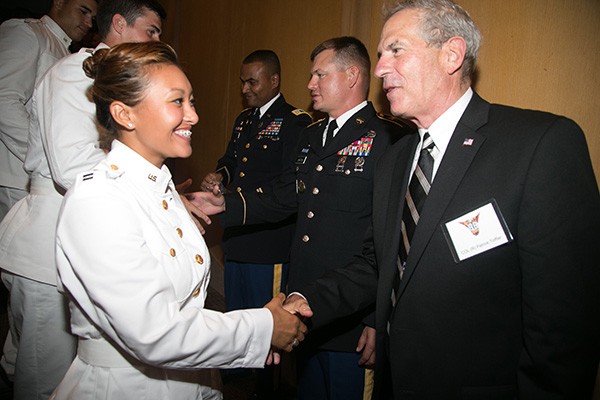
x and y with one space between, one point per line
455 164
268 117
315 138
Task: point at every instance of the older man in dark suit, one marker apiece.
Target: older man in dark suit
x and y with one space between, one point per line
483 253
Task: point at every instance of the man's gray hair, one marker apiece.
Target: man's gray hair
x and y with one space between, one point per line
442 20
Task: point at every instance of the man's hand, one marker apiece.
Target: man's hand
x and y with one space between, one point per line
210 203
191 209
366 344
288 330
298 305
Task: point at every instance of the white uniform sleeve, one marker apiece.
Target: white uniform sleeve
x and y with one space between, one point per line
19 49
67 119
106 264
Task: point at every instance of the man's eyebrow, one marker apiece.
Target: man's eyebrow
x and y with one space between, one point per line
89 10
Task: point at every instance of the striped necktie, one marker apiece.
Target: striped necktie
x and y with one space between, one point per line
416 194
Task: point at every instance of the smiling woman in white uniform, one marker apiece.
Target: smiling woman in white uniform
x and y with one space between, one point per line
130 258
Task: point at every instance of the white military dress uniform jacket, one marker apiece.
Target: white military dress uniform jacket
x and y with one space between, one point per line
28 48
63 142
137 270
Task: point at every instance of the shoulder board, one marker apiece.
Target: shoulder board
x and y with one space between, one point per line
299 111
316 122
392 119
94 175
246 109
33 21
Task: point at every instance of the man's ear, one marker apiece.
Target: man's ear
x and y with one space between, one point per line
353 74
121 113
274 81
119 23
58 4
453 53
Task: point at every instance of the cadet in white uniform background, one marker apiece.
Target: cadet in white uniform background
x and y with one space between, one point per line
28 48
131 259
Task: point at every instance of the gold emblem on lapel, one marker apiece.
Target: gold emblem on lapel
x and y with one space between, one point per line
360 121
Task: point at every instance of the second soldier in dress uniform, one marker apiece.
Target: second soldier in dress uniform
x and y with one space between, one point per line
329 183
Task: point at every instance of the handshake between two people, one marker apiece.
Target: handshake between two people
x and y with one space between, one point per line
288 328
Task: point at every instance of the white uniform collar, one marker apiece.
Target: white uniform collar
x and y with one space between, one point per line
263 109
342 119
442 128
143 172
57 30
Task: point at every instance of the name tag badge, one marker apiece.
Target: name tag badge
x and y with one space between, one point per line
476 232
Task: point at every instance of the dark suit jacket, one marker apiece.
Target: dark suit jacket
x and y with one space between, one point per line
333 200
255 157
518 321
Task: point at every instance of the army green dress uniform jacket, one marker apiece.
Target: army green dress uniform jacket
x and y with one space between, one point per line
331 189
255 157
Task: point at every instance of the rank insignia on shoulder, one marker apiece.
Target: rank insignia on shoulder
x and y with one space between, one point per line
299 111
316 122
361 147
391 118
88 176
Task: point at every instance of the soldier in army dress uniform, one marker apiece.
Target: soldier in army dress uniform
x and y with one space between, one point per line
263 139
330 186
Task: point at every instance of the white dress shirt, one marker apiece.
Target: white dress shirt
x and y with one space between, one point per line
441 131
28 48
341 120
138 270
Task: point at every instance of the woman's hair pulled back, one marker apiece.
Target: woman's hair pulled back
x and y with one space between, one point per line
122 73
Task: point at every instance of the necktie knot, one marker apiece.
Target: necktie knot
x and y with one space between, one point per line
425 164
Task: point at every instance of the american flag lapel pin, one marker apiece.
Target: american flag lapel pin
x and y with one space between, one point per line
468 142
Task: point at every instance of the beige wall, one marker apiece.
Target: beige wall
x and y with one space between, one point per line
540 54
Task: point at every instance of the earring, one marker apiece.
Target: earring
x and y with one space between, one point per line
130 125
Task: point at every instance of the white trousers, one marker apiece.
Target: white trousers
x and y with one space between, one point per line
40 329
